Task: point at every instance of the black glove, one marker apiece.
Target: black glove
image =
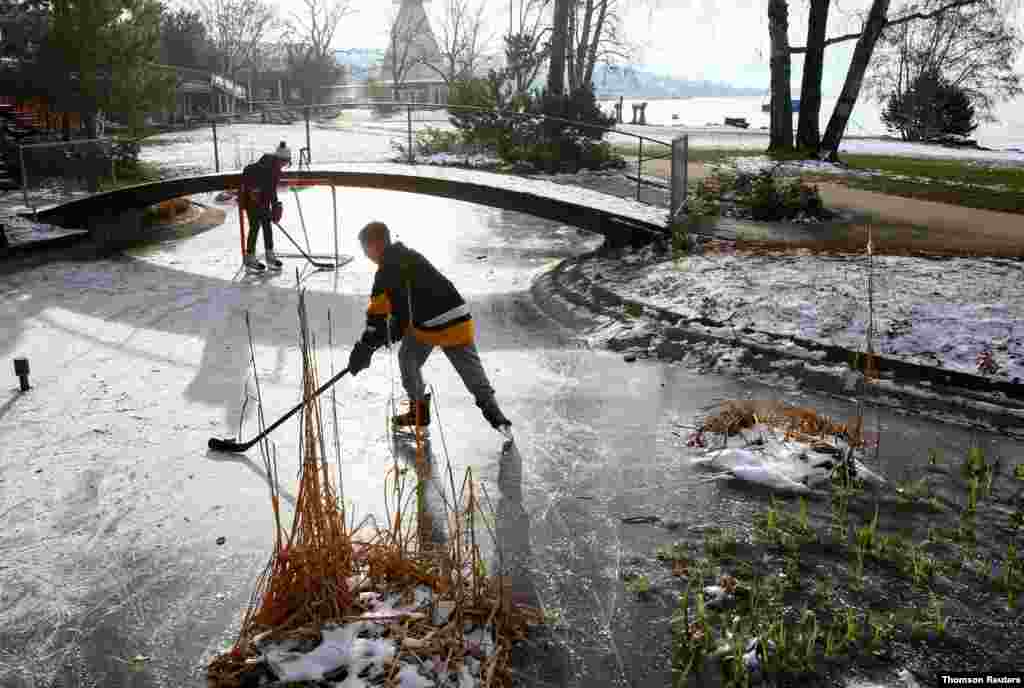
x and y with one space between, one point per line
359 359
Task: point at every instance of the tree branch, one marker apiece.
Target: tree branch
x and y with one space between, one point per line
894 22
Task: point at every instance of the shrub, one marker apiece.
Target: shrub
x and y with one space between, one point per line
520 132
432 140
771 200
931 109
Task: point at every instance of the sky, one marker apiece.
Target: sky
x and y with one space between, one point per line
715 40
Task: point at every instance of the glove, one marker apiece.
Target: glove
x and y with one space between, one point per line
277 212
359 359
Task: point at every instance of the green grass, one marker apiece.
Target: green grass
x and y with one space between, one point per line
958 171
939 192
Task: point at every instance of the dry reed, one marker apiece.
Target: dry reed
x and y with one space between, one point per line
320 567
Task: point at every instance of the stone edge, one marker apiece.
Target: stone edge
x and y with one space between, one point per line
947 397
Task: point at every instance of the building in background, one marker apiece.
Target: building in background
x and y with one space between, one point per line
416 44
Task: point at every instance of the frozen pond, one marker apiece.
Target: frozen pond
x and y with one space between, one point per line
113 505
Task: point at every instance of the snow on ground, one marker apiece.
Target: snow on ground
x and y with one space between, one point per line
930 312
761 456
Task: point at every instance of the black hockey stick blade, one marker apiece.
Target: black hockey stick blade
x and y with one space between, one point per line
239 447
227 446
314 263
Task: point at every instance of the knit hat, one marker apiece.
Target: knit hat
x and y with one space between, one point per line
283 152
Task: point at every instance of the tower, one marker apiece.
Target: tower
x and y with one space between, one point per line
410 41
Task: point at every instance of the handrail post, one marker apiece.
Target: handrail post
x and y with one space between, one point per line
309 149
409 110
24 178
639 166
216 153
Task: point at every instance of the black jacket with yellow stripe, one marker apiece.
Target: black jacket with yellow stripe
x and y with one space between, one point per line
439 314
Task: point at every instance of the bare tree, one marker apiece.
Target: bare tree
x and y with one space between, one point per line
525 49
236 28
461 40
973 48
310 53
875 24
595 35
410 43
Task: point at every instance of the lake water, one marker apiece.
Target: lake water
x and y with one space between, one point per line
1006 133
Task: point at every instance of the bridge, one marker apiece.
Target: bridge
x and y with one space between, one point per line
115 217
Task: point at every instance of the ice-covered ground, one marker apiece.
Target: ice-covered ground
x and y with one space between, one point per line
940 313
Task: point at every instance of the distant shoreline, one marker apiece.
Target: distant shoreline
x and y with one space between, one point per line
625 97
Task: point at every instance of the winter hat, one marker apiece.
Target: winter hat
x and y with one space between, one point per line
283 152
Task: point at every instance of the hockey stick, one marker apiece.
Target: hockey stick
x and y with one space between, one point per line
239 447
318 265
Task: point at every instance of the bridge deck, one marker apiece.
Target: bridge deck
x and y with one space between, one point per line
617 218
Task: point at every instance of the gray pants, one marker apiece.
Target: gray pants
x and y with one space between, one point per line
465 359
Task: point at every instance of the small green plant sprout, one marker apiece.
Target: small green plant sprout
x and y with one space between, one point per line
852 627
939 621
974 464
881 630
771 520
803 519
972 494
663 553
831 645
553 617
921 566
867 535
1018 471
1017 519
639 585
720 544
810 637
792 571
633 310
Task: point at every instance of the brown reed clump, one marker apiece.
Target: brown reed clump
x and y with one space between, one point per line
799 423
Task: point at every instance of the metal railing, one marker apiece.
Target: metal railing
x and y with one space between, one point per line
409 107
64 166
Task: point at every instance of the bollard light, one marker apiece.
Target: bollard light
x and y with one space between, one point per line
21 370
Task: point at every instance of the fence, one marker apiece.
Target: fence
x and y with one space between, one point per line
380 130
54 171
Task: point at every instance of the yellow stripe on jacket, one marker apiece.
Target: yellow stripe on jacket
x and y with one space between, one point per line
379 305
456 335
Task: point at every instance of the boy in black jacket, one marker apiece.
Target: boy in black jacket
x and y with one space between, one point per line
414 302
260 201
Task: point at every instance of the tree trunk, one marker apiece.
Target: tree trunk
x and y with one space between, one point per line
854 78
781 134
808 135
588 77
559 37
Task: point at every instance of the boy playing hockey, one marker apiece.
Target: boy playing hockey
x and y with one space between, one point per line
260 180
412 301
